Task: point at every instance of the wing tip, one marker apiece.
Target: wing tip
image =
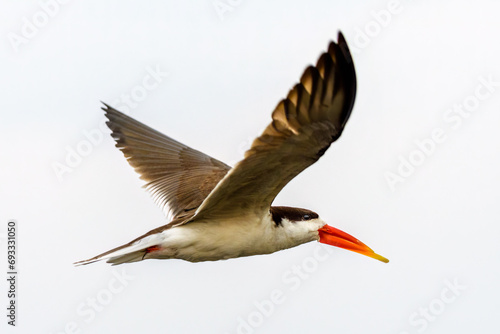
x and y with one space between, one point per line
110 111
106 107
342 43
341 38
85 262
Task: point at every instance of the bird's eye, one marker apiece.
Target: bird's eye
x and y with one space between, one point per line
306 217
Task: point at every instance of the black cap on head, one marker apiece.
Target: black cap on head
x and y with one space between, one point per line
292 214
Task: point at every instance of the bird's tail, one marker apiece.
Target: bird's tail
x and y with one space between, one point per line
134 251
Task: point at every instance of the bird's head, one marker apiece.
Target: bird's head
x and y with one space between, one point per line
302 225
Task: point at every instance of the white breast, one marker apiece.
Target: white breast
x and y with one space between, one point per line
215 240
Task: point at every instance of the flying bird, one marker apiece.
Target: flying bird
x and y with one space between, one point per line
219 212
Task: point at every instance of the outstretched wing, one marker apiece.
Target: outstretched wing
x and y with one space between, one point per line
304 125
178 177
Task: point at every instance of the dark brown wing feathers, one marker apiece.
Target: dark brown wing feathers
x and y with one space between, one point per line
178 177
304 125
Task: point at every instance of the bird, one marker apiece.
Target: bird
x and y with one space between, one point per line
218 212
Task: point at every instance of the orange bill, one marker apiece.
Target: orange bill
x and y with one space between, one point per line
335 237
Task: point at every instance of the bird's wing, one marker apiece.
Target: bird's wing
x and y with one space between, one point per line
178 177
304 125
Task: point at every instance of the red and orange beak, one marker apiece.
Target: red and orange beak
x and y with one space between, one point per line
335 237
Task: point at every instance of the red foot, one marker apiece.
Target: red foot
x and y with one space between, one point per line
153 249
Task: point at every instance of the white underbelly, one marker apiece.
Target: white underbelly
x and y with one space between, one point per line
216 240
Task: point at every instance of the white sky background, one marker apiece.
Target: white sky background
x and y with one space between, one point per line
225 77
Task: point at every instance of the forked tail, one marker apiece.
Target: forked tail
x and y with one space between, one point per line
134 251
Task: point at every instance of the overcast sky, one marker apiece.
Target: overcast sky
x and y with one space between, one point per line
415 175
